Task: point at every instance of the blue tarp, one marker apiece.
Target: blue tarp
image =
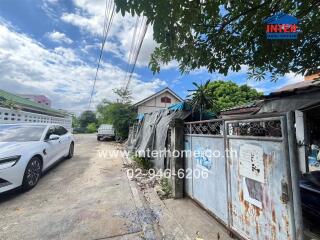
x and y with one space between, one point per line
184 106
179 106
140 117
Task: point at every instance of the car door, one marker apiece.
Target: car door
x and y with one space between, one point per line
53 147
65 140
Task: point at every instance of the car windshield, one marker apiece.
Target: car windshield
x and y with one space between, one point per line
106 127
19 133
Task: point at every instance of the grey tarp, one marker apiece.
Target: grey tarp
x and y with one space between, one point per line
162 131
145 135
153 131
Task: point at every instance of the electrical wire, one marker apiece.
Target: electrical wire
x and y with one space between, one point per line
142 33
106 28
132 47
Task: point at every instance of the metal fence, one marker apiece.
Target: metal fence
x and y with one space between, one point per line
18 116
248 187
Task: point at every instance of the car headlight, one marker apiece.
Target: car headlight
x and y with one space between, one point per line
9 161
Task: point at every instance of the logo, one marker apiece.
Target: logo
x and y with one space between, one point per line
282 26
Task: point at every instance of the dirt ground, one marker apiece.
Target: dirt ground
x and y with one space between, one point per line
87 197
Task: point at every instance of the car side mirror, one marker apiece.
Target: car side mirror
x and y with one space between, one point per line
53 137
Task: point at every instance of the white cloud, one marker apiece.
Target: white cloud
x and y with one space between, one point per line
203 70
53 1
293 78
26 66
59 37
170 65
90 18
198 71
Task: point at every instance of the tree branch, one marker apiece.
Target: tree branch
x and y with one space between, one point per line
240 15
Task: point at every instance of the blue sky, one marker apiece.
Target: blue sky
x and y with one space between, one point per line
50 47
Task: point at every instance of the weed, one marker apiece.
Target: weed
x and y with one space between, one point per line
143 163
166 188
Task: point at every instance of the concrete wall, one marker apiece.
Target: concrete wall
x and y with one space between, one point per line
155 103
9 116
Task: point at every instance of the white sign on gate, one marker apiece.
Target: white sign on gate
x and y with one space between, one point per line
251 162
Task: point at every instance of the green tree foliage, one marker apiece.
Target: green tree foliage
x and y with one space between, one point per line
223 35
200 99
75 122
86 118
227 94
124 95
91 128
120 115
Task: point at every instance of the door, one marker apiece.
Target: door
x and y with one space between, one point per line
249 182
259 179
206 180
65 141
53 147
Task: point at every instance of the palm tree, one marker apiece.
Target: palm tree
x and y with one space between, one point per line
200 98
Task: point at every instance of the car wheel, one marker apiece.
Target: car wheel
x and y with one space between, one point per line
71 151
32 173
98 138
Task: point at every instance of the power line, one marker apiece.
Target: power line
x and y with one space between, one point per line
106 29
143 30
132 47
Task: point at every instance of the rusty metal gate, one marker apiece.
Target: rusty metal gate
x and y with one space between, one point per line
248 187
206 179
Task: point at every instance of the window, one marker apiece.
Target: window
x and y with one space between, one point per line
51 130
18 133
165 100
61 130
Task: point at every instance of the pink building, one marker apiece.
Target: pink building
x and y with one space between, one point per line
41 99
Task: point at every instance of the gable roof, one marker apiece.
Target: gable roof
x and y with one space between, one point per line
157 94
26 104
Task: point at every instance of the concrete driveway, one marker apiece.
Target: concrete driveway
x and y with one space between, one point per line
87 197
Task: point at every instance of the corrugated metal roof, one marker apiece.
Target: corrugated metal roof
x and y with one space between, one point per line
244 108
27 104
303 85
246 105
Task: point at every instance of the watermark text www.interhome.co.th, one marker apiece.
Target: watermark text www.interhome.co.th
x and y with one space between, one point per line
167 153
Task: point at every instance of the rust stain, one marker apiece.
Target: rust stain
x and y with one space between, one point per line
273 215
241 196
245 216
268 160
257 218
258 211
286 224
273 232
273 223
257 229
251 213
